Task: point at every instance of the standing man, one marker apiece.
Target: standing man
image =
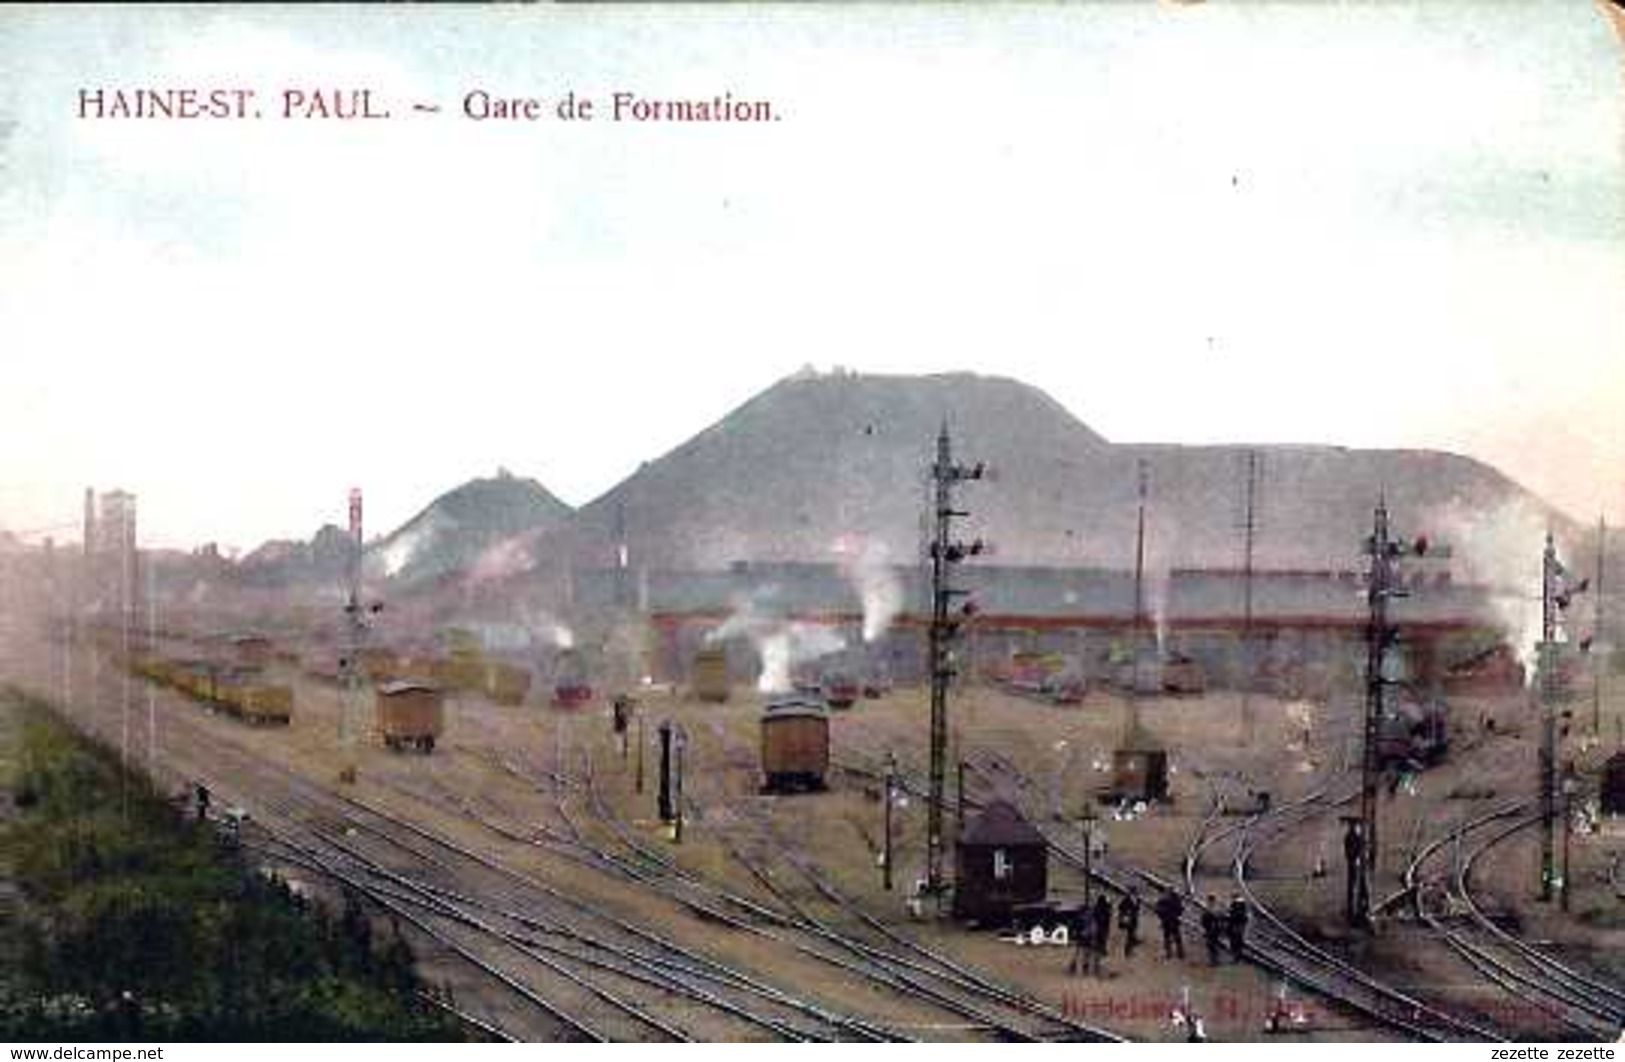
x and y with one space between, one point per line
1102 916
1084 955
1170 911
622 720
1128 920
1212 929
1236 925
1354 861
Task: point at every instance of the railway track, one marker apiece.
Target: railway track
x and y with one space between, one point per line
1575 1001
878 954
1311 965
1273 944
422 879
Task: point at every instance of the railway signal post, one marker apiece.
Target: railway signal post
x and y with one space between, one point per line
945 552
1556 594
355 615
1382 586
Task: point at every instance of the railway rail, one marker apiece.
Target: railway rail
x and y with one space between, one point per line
318 830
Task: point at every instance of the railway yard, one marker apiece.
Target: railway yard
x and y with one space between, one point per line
527 863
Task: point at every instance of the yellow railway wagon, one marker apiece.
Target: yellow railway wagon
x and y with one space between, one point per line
195 679
507 685
709 680
460 671
261 703
381 663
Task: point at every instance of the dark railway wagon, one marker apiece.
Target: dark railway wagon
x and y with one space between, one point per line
841 690
795 745
1140 774
411 715
571 688
1611 787
1003 863
251 650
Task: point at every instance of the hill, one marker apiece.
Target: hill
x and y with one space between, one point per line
821 463
483 527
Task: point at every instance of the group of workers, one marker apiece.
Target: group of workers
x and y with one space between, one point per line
1222 928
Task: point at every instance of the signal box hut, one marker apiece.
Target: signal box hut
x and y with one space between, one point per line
1611 788
795 745
1139 774
411 715
1002 863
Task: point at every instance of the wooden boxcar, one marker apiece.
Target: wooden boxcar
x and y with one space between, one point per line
709 679
411 715
1139 774
795 745
1002 862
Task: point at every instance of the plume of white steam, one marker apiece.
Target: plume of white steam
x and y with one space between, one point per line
510 556
781 644
792 644
1501 549
546 629
865 566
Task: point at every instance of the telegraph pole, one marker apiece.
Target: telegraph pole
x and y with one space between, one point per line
152 690
945 621
891 795
1599 639
349 662
1131 721
126 604
1249 531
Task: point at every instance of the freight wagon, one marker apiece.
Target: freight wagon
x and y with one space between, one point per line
411 715
709 679
571 688
506 684
246 695
795 745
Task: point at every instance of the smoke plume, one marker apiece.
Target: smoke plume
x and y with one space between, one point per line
1501 549
865 566
781 644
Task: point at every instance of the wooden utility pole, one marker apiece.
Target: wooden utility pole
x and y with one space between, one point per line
1249 530
1131 714
1599 638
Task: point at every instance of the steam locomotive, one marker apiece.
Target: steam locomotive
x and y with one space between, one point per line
1415 732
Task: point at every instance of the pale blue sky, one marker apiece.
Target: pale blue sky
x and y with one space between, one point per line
1186 222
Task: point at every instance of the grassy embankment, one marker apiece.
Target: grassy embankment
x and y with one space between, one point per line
122 919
